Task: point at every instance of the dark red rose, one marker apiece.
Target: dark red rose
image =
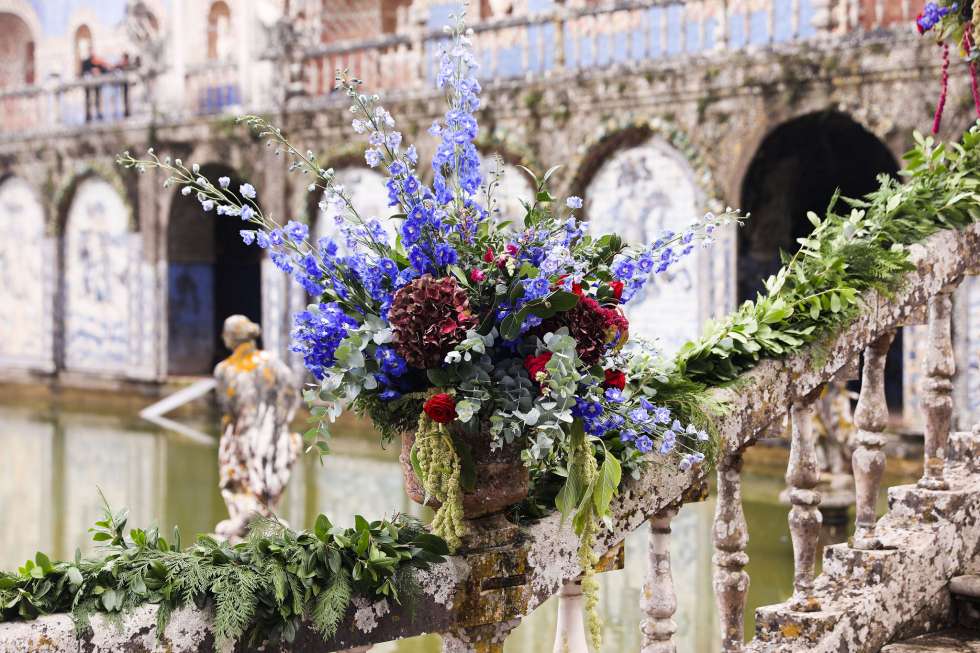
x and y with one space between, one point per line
615 379
535 364
441 408
617 289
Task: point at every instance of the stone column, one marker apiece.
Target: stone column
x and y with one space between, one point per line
570 631
802 475
937 390
659 601
868 460
731 535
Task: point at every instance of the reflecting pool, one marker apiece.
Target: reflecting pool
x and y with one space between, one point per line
59 450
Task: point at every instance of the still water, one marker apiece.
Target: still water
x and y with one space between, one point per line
57 451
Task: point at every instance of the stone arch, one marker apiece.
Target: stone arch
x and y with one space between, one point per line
25 274
219 28
637 181
795 169
211 274
17 65
100 255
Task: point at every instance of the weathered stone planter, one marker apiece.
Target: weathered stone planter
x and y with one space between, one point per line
501 478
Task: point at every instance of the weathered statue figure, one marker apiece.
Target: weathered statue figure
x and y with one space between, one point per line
258 396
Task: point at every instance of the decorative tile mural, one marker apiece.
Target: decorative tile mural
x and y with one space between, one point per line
638 193
97 280
24 331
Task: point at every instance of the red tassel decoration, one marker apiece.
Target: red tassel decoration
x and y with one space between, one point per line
968 46
937 120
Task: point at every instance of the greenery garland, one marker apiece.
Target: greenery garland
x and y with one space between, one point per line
261 589
819 289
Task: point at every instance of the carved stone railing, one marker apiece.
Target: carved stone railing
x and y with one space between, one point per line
476 598
607 35
102 99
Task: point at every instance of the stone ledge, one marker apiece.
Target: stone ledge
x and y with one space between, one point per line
544 556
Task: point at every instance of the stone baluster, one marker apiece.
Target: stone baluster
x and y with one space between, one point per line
664 31
721 40
731 534
868 460
559 23
747 24
802 475
937 390
570 632
659 601
794 18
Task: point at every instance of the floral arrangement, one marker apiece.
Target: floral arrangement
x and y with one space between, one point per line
953 24
508 326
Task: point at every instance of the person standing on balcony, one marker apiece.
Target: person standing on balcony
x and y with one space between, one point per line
125 66
90 66
258 397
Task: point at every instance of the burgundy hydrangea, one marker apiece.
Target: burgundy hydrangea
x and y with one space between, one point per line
594 327
429 317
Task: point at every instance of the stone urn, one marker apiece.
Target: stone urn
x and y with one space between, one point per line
501 479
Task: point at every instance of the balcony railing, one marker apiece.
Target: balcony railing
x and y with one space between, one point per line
601 37
105 98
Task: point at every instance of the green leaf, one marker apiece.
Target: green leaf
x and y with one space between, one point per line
610 475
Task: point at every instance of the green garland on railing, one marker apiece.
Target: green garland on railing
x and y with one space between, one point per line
261 589
819 288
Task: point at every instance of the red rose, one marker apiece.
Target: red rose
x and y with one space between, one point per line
617 289
615 379
535 364
477 275
488 255
441 408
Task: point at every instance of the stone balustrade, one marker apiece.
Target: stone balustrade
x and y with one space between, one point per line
557 41
887 584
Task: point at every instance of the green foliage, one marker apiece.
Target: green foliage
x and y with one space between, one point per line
819 289
261 589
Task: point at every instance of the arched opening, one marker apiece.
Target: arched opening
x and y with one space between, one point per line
22 268
797 169
16 52
84 49
96 279
638 185
211 274
219 31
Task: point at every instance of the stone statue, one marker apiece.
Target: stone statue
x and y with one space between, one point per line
258 396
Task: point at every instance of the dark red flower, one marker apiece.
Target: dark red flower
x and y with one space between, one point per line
429 317
488 255
440 408
615 379
536 364
617 289
594 327
477 275
512 249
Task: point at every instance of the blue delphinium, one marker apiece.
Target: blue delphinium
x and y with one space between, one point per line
317 335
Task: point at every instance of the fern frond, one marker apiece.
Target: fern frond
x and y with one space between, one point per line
332 604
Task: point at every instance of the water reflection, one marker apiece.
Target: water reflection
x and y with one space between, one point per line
59 451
